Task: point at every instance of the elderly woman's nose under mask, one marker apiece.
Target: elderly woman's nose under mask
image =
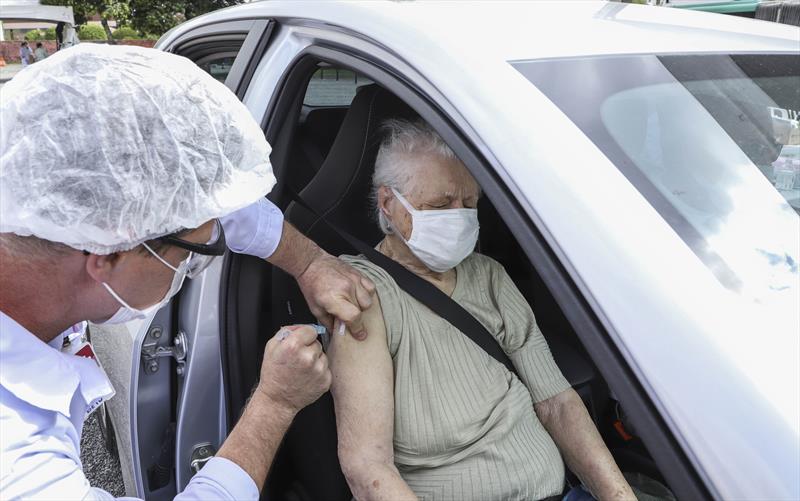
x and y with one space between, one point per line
441 238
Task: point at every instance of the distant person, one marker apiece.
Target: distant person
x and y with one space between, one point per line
25 54
59 35
40 53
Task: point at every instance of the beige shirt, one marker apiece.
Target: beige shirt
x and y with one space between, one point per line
465 427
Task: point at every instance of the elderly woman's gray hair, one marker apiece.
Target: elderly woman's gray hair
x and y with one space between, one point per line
395 165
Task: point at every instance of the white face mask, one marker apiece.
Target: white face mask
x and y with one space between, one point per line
126 312
441 238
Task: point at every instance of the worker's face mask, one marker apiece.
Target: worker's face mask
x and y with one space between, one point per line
126 312
441 238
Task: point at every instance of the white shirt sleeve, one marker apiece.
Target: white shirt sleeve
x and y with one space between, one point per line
219 479
39 459
45 395
59 477
255 230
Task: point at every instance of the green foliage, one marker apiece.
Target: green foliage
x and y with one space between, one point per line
36 35
145 16
118 10
157 17
33 35
194 8
150 16
91 32
125 33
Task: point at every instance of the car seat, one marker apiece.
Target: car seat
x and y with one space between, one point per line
313 140
307 466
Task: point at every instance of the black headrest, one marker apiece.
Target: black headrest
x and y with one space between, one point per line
341 188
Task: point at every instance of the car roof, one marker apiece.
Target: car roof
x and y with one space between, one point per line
514 30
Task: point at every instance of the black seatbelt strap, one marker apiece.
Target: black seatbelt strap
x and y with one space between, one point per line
424 292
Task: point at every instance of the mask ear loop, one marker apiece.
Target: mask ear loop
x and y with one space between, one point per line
118 298
411 210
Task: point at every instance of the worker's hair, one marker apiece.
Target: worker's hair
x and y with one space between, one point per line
395 164
38 44
32 247
37 248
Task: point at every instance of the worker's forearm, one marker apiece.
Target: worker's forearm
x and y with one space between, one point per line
255 438
377 482
295 252
566 419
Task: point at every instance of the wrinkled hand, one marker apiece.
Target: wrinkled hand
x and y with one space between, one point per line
295 371
335 290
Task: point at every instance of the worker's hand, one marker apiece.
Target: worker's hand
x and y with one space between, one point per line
335 290
295 371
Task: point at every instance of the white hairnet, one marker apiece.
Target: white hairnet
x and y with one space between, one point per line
104 147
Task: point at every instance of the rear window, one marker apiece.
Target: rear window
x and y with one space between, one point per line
331 87
712 142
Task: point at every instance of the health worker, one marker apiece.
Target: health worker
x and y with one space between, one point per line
123 171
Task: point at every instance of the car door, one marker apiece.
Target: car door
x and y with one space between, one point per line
382 67
176 397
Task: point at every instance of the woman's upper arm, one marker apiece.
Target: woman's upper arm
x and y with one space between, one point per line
363 393
524 342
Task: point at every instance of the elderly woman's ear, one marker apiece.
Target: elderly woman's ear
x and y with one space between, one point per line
396 219
384 196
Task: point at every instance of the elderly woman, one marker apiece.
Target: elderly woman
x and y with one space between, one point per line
423 412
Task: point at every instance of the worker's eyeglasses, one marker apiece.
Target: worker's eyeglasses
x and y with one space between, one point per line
200 255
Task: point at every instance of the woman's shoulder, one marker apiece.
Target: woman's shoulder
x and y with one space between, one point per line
378 275
359 262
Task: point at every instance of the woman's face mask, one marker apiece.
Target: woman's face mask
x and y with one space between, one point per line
441 238
126 312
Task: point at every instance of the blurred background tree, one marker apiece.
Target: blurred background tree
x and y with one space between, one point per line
91 32
118 10
150 18
156 16
47 34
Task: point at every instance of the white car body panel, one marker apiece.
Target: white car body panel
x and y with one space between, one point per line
694 345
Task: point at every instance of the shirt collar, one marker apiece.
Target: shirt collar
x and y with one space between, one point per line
41 375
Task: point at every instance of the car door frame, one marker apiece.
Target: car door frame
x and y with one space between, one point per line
258 34
382 67
168 438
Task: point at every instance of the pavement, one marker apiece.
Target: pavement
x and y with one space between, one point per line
100 465
8 71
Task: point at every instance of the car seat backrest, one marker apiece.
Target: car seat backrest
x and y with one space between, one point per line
307 466
341 188
321 127
311 144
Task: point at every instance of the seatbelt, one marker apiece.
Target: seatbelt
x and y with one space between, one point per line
423 291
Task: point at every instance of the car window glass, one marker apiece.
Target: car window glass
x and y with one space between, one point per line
218 68
333 87
214 54
712 142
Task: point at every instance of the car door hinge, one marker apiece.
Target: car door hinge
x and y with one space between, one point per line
201 454
151 351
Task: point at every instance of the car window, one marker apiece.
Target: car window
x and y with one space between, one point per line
333 87
218 68
711 141
215 54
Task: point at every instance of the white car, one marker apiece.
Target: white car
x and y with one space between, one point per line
634 190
